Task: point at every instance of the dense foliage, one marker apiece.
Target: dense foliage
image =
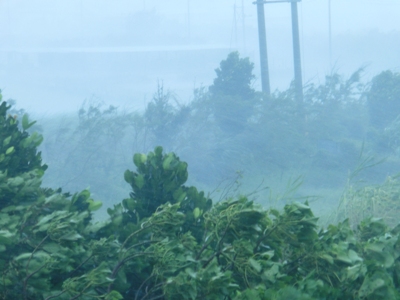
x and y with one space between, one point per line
231 97
168 241
229 127
384 99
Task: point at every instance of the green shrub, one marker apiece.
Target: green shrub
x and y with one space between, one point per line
168 241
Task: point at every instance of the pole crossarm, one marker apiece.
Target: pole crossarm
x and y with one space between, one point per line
275 1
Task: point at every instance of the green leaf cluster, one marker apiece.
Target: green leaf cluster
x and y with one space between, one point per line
159 180
18 149
169 241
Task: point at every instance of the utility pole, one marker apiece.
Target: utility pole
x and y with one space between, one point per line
262 38
296 53
296 47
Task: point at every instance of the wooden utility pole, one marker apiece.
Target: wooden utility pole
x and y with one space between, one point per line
262 38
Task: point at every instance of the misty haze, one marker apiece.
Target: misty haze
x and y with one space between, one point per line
144 106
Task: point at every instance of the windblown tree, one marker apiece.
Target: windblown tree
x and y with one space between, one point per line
163 119
169 241
232 96
383 99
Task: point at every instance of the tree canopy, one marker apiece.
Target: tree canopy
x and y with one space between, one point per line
170 241
234 77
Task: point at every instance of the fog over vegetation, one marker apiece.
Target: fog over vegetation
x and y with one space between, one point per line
106 79
141 159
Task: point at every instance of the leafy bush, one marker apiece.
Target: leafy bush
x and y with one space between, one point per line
167 241
229 126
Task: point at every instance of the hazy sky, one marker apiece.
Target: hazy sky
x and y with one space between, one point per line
36 26
52 18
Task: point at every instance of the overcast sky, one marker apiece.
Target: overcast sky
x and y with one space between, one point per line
37 25
52 18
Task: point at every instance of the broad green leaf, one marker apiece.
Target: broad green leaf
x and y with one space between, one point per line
389 259
272 273
9 209
274 212
139 181
93 228
255 265
301 206
85 194
369 286
33 141
114 295
54 198
196 212
383 259
327 257
72 236
268 254
23 256
129 176
25 122
117 220
309 221
95 205
344 258
191 273
356 271
52 247
4 219
354 256
129 204
53 215
167 161
6 141
376 247
190 258
10 150
179 195
158 150
6 237
139 159
41 254
16 181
